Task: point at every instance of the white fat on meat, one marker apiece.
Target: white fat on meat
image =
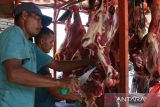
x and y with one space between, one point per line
94 28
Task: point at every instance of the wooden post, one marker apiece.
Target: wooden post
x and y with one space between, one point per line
55 32
123 48
16 2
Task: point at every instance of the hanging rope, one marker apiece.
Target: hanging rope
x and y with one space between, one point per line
142 15
133 18
141 22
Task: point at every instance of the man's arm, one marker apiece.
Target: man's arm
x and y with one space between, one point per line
17 74
68 65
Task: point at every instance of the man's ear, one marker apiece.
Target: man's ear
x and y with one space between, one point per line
42 41
24 15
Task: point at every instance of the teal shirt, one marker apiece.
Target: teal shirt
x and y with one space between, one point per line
14 45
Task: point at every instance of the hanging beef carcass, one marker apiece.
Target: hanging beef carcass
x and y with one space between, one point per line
72 42
151 47
100 35
74 33
137 31
151 51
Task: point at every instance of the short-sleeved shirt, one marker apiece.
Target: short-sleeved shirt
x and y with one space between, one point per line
14 45
42 97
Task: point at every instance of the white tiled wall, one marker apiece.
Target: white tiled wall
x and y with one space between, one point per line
4 23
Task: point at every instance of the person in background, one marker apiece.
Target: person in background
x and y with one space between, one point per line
20 60
44 40
43 98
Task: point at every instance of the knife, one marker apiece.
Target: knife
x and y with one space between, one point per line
83 78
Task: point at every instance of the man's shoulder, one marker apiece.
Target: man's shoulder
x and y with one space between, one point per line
12 28
13 31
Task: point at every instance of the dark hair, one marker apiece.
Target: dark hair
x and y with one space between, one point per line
131 3
149 2
16 18
138 2
43 33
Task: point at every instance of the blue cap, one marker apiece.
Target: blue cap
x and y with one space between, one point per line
32 8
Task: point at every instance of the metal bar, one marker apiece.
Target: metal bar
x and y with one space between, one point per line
68 2
72 3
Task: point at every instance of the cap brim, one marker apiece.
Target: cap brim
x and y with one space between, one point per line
46 20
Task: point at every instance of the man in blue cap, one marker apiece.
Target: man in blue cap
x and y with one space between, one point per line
20 60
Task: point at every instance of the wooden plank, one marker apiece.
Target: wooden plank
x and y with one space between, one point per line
55 34
123 48
6 10
6 1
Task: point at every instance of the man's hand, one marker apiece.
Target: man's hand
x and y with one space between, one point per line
57 56
71 84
